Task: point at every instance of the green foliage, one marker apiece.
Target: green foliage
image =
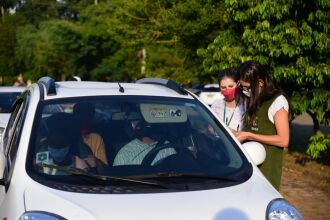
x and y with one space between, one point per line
103 41
320 143
169 31
50 49
37 11
190 25
277 37
291 38
118 67
6 4
316 101
7 45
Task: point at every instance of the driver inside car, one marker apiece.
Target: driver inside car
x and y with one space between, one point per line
135 151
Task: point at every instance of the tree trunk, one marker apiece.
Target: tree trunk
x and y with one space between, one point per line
316 124
2 14
63 77
143 61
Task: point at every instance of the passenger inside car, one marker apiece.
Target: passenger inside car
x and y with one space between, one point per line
59 148
83 114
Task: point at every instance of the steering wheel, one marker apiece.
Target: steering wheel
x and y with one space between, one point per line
151 155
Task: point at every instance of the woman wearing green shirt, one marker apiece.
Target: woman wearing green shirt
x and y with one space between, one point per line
266 119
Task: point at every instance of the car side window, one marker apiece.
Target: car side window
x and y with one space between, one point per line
13 130
10 127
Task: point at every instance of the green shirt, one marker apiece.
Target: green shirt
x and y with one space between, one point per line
272 166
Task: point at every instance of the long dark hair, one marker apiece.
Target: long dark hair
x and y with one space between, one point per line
252 72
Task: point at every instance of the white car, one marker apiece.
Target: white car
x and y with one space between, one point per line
209 93
194 169
8 95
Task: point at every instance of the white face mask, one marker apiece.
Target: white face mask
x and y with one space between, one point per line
247 92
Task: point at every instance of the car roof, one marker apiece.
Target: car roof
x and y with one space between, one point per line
211 85
12 88
88 88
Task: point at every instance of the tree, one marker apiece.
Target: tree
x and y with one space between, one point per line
169 32
49 50
37 11
193 24
5 5
291 38
23 13
110 36
56 43
8 65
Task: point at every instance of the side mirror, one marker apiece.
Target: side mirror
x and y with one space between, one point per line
256 151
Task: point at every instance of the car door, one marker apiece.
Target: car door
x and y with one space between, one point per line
10 144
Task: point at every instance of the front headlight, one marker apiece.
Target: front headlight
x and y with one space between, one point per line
39 215
280 209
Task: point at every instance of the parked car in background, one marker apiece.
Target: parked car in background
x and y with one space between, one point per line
209 93
196 88
168 157
8 95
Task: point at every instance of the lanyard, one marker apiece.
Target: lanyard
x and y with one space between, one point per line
225 120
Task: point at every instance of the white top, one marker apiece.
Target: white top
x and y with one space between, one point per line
135 151
279 102
236 122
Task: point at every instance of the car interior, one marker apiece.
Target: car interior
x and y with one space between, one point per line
198 148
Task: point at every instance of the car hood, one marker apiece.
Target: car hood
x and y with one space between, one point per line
4 117
245 201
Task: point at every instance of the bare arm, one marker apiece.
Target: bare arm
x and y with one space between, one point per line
96 144
281 139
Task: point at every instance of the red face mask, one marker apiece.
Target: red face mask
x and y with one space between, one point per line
229 94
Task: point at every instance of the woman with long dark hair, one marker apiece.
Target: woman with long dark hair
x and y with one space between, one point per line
266 119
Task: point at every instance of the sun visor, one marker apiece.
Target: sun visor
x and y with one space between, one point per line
153 113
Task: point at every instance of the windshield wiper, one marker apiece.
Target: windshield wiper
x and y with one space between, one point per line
79 172
188 175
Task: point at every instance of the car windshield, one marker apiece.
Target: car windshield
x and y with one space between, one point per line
7 99
134 142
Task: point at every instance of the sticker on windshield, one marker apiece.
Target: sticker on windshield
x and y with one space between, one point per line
158 112
154 113
42 157
175 112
